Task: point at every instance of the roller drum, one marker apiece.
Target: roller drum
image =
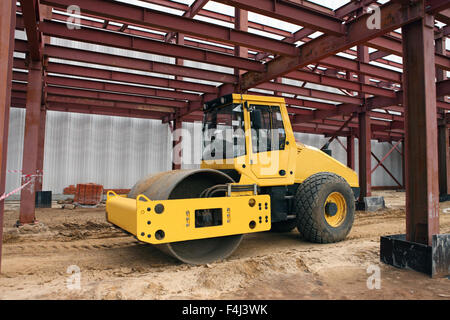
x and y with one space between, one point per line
186 184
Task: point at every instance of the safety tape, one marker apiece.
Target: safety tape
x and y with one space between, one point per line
38 173
4 196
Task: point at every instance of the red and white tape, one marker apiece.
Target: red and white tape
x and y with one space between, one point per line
4 196
26 176
38 173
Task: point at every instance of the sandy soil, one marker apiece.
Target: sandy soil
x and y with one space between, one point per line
265 266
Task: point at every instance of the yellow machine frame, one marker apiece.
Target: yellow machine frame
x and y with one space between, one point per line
143 217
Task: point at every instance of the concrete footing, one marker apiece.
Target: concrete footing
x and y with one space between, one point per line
371 204
432 260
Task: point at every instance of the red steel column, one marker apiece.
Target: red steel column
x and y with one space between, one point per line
7 26
351 151
176 151
443 158
443 134
40 154
240 23
178 61
419 89
365 135
30 147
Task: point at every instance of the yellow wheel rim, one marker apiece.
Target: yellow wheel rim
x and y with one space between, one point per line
335 219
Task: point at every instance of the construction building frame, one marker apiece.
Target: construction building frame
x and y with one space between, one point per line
405 104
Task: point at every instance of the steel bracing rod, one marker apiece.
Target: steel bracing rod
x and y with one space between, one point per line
339 131
386 155
340 142
386 169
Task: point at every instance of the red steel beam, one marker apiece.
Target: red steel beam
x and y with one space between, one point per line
291 12
422 190
140 16
121 88
394 46
352 7
211 45
106 38
83 97
59 68
195 8
393 15
100 110
136 64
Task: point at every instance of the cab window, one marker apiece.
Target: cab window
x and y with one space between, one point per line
268 132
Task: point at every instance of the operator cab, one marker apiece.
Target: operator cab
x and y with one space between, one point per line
251 135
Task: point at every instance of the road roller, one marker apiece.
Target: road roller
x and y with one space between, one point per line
254 177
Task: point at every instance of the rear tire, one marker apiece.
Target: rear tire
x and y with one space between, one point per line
325 208
284 226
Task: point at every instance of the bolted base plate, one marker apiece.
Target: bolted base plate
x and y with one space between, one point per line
433 260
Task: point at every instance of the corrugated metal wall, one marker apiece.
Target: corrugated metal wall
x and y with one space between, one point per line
116 151
112 151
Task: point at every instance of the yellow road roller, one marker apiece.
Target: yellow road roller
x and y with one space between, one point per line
254 177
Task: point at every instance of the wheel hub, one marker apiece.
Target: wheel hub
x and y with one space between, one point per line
331 209
335 209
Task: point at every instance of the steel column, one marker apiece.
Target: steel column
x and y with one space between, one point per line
444 156
422 190
7 26
176 144
365 135
40 154
351 151
31 142
443 133
241 24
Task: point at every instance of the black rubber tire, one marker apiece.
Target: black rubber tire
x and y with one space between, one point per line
284 226
308 206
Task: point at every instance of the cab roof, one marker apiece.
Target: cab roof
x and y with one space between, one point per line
237 98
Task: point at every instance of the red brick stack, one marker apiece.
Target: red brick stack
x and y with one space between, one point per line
88 194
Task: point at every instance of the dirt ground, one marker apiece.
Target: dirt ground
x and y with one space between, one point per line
266 265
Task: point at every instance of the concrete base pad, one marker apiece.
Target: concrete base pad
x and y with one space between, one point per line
433 260
371 204
37 227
